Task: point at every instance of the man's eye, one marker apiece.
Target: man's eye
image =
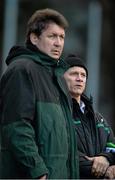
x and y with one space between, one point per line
62 37
51 36
83 75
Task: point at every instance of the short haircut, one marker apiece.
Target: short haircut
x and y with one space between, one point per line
41 18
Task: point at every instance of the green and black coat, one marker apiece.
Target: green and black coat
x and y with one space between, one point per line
37 134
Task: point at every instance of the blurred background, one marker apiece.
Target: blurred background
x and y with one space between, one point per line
91 33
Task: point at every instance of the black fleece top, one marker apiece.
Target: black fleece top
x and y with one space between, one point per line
93 134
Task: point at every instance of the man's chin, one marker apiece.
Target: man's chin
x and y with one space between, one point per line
78 93
56 57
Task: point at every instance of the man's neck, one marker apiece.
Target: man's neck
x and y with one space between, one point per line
78 99
81 103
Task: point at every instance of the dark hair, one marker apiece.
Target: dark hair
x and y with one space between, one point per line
41 18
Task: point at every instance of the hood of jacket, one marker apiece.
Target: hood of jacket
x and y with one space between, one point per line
32 52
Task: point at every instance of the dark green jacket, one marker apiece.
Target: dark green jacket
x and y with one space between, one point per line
37 134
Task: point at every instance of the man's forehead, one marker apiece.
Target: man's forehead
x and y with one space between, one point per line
76 69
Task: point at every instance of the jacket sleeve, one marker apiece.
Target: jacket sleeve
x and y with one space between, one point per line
85 166
109 150
18 112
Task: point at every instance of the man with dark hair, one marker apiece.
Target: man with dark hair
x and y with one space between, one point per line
95 138
37 134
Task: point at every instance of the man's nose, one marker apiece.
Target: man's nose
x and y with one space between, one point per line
58 41
79 77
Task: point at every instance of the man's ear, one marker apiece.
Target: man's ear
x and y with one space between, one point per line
33 38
